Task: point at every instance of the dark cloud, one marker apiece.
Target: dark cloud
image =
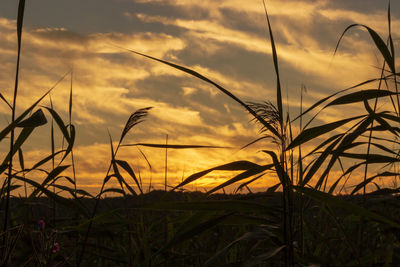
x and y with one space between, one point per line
364 6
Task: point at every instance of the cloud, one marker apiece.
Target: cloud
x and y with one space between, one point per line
224 40
312 60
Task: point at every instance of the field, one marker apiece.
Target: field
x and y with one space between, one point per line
305 219
193 229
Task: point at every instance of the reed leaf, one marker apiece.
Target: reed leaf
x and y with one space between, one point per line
121 179
72 191
50 177
369 180
276 67
222 89
21 159
245 184
69 136
348 171
282 175
35 120
319 102
379 43
14 124
125 165
244 175
318 163
370 158
59 199
233 166
311 133
113 190
345 142
71 142
134 119
360 96
172 146
45 160
60 123
5 100
22 137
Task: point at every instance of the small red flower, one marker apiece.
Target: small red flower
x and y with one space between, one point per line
41 224
56 247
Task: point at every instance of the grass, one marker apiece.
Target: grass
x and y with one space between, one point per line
302 220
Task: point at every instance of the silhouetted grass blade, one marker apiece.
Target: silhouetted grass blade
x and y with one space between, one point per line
244 175
172 146
201 77
5 100
384 191
233 166
113 190
360 96
12 188
44 160
282 175
60 123
56 197
369 180
379 43
370 158
316 104
21 159
35 120
50 177
245 184
121 179
125 165
20 19
318 163
311 133
324 143
276 67
134 119
71 142
22 137
72 191
14 124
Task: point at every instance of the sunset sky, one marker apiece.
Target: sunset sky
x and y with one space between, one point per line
226 41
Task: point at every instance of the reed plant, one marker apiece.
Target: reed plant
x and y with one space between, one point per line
309 176
301 220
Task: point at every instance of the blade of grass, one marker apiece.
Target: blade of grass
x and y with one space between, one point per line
20 19
125 165
172 146
233 166
379 43
201 77
369 180
246 174
312 133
